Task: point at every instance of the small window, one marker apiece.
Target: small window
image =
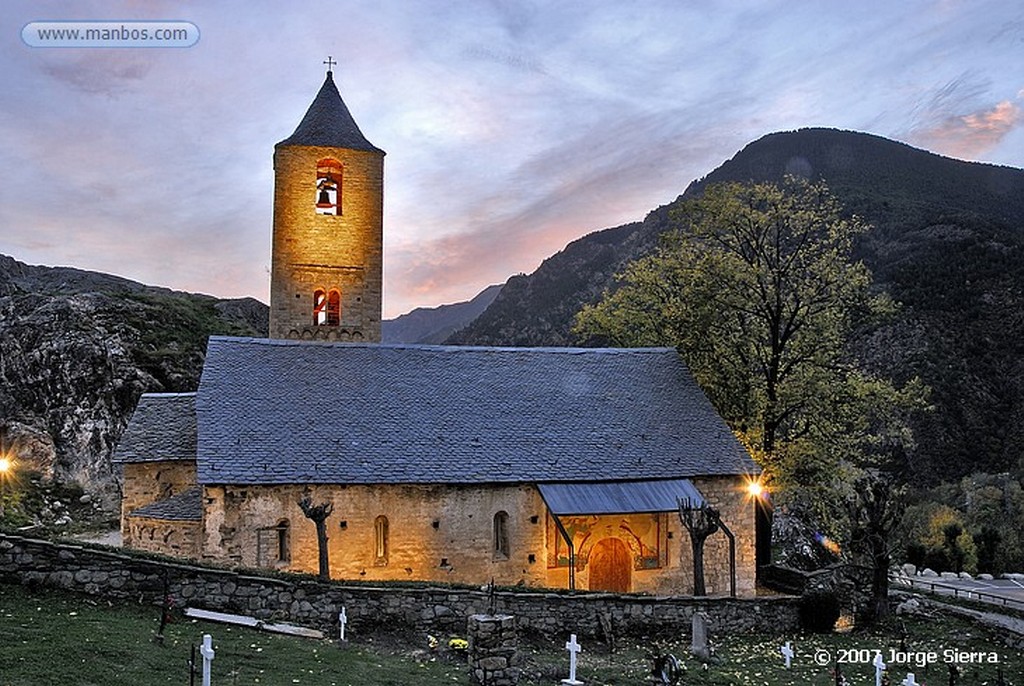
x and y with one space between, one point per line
319 307
328 187
380 540
284 551
333 308
501 547
273 545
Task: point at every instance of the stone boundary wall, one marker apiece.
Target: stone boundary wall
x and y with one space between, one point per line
306 601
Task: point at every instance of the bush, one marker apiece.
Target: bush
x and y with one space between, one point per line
819 611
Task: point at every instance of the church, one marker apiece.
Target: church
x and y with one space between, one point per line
543 467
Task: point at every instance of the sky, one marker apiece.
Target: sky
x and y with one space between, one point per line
511 128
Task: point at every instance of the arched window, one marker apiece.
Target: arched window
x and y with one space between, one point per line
333 308
319 307
501 535
380 540
326 307
328 186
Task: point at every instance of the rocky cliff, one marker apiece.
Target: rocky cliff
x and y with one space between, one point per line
78 348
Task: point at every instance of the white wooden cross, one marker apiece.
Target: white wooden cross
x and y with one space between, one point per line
207 652
909 681
342 621
879 667
573 647
787 652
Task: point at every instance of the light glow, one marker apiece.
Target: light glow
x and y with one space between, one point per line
754 488
828 544
6 465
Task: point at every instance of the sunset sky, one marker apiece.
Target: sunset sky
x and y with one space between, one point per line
511 128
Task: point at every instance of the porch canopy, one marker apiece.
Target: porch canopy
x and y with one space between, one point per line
618 497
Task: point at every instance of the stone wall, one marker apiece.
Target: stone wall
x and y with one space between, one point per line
445 533
166 536
305 601
728 495
434 533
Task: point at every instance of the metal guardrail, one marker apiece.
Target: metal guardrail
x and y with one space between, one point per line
940 588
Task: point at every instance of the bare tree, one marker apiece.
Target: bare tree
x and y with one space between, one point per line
701 522
319 514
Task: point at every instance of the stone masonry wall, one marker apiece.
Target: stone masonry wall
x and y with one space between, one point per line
166 536
147 482
439 533
445 534
305 601
728 496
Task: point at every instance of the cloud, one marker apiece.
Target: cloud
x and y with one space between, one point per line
512 127
103 73
970 136
610 174
512 60
958 119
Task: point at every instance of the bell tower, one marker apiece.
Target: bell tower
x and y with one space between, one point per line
326 275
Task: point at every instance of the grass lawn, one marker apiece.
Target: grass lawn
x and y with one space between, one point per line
53 638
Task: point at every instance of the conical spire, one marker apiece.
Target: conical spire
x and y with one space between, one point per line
329 124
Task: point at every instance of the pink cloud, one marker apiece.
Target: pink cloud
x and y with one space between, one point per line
970 136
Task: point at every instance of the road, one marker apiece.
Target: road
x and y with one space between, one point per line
1003 592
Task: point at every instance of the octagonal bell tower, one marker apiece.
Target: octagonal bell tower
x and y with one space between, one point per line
326 275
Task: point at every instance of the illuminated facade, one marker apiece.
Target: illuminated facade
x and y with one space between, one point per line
543 467
326 274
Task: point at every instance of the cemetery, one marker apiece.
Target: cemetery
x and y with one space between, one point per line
103 610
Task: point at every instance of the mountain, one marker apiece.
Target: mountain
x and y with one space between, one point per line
947 242
78 348
432 325
537 310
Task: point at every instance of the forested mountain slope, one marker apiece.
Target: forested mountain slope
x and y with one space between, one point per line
947 242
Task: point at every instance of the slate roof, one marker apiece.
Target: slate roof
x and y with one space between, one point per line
187 506
163 427
275 412
328 123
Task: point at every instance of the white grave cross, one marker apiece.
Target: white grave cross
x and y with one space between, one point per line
207 653
573 647
787 652
342 621
879 668
909 681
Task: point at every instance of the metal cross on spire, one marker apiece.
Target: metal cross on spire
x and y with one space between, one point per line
330 63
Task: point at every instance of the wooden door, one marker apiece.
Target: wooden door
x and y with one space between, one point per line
611 566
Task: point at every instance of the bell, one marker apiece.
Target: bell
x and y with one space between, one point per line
324 200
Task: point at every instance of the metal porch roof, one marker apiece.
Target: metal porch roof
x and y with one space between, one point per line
618 497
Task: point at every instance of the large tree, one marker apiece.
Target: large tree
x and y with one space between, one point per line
757 287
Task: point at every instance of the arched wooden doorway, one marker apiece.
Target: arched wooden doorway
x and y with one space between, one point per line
611 566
